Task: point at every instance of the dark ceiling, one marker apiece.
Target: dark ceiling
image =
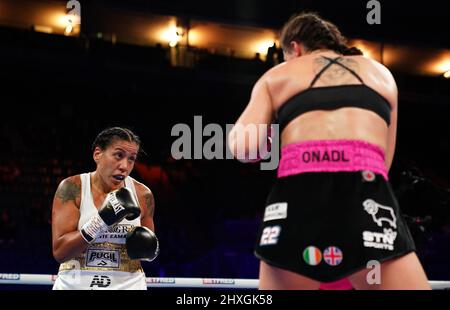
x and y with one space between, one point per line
401 21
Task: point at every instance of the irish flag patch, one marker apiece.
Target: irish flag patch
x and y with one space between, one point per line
312 255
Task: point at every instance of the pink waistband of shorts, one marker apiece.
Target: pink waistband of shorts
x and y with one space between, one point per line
331 156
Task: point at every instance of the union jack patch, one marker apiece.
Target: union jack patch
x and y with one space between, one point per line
333 256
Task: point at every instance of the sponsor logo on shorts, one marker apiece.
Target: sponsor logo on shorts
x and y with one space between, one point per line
100 281
380 213
312 256
102 258
383 241
333 256
270 235
276 211
324 156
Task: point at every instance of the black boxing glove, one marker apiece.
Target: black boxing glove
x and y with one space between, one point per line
118 205
142 243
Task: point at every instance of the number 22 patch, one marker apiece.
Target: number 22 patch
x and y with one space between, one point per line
270 235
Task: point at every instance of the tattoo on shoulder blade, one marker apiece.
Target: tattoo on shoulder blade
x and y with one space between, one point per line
149 204
68 191
336 74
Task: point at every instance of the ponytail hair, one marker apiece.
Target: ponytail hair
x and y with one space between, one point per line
314 33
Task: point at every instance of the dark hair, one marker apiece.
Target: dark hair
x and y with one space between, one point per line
314 33
111 134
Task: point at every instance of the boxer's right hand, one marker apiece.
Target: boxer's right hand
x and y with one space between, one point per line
118 205
142 243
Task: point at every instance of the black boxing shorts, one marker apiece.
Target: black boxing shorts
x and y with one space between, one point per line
327 225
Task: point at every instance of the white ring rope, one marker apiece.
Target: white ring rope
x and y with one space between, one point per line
47 279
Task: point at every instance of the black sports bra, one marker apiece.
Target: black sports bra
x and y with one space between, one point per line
333 97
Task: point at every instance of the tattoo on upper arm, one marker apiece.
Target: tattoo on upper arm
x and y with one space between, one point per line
68 190
149 204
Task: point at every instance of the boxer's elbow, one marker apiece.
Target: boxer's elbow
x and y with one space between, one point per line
60 252
58 255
